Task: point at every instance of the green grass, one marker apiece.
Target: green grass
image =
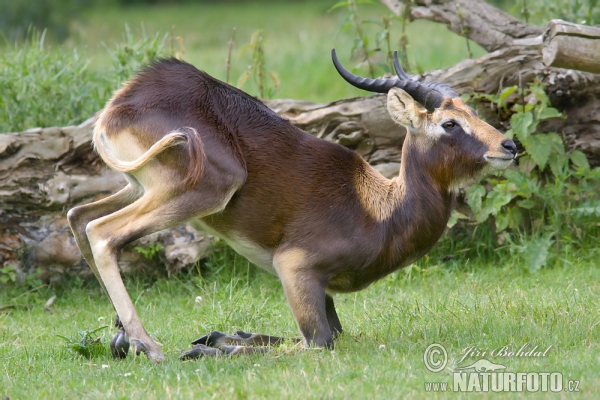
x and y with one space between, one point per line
457 304
299 36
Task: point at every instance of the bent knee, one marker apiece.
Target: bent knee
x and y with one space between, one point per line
98 240
73 216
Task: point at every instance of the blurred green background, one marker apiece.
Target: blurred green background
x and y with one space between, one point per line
61 59
298 36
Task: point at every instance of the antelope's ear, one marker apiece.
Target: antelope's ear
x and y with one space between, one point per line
404 110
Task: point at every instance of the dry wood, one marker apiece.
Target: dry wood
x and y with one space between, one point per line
572 46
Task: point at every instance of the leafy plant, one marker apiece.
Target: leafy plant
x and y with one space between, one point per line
551 199
585 12
45 87
48 86
362 47
7 274
361 43
257 69
86 343
150 252
132 54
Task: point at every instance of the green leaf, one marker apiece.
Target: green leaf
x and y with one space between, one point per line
527 204
475 194
557 143
538 91
8 268
525 186
497 199
536 252
587 209
338 5
371 21
345 26
558 164
539 148
505 93
381 36
521 124
548 112
455 217
515 217
502 221
579 160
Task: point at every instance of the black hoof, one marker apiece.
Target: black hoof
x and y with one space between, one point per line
242 334
211 339
119 345
199 350
139 347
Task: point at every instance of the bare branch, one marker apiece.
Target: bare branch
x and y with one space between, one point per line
477 20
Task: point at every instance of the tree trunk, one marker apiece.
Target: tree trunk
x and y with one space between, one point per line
44 172
568 45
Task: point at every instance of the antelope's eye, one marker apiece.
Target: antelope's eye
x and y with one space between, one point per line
449 125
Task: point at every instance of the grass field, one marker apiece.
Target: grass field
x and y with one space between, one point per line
299 39
387 328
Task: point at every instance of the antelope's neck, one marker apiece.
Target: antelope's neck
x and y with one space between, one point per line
425 205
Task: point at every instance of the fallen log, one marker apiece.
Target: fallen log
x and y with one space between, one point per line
572 46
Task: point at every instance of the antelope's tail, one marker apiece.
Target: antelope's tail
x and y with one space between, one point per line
187 135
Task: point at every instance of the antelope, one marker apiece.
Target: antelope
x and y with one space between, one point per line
312 212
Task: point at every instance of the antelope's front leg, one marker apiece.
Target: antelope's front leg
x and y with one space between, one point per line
306 296
313 310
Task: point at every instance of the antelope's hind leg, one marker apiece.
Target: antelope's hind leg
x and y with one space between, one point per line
78 218
154 211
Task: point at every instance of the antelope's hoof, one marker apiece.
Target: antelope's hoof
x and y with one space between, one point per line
155 355
242 334
212 339
200 350
119 345
232 350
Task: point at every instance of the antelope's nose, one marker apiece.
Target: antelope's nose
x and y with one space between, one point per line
510 146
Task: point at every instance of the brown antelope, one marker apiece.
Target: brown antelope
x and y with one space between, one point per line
312 212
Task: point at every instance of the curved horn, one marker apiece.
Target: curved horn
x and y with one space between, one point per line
372 85
429 94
